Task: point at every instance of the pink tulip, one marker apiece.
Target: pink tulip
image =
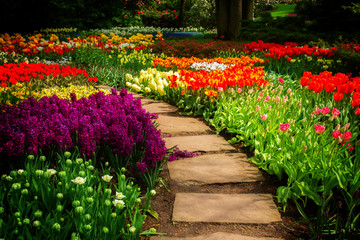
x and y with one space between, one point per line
220 89
319 128
346 136
317 110
267 98
357 111
281 80
335 112
336 133
325 110
284 127
239 90
263 117
257 108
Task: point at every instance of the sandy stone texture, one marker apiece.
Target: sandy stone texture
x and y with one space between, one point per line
214 168
225 208
199 143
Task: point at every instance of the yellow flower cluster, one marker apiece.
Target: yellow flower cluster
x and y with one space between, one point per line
20 91
64 92
143 39
149 81
139 38
15 93
135 57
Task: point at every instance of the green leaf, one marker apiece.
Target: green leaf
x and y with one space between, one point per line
275 169
188 107
283 194
233 140
307 192
153 213
257 143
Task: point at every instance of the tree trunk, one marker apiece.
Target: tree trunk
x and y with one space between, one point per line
182 13
235 19
221 13
228 18
248 10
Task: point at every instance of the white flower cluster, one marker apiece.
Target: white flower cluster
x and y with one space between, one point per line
209 67
118 202
62 61
150 80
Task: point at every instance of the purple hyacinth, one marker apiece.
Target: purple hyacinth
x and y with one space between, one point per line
116 119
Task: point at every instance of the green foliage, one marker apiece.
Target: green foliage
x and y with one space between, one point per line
318 170
75 200
279 30
27 16
200 14
262 6
329 16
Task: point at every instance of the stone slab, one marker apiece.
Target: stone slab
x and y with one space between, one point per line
136 95
159 107
225 208
145 101
180 126
104 87
216 236
199 143
214 168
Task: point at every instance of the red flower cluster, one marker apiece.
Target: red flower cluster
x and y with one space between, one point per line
340 84
13 73
233 76
289 49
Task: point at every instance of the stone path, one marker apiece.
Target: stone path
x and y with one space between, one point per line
220 163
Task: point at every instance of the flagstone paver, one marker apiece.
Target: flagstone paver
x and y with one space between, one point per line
139 96
216 236
146 101
214 168
200 143
221 163
225 208
104 87
180 126
159 107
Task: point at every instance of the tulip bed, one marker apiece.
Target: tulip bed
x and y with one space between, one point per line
296 107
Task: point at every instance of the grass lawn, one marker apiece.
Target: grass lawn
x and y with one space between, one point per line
282 10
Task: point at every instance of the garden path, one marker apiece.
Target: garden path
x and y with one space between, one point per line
218 163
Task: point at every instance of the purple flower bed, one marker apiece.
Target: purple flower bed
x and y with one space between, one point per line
115 120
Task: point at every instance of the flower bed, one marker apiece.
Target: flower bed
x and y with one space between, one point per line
302 126
307 138
114 126
39 202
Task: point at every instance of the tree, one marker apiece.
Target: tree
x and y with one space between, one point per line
182 13
229 15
